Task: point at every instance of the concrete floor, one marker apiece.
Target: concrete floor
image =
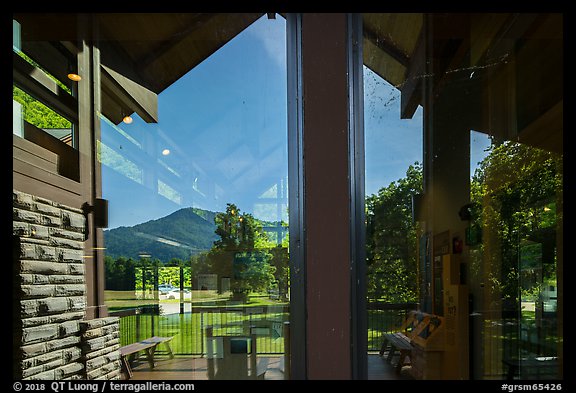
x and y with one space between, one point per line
195 368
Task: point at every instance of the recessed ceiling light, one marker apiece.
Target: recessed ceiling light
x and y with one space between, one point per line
165 152
127 119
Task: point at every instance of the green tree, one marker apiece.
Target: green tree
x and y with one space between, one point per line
514 193
391 242
280 262
38 114
241 253
120 273
147 273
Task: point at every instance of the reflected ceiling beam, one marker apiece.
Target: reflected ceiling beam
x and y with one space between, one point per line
505 41
130 95
411 89
393 51
172 57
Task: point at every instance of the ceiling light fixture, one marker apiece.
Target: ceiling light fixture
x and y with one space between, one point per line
74 77
165 152
128 119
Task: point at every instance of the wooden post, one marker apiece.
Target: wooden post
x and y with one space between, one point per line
326 144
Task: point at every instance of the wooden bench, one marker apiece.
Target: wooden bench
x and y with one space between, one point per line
397 341
400 340
161 340
420 336
148 346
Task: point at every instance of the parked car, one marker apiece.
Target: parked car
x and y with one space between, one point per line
164 289
175 294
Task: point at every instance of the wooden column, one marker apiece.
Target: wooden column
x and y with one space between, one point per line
327 195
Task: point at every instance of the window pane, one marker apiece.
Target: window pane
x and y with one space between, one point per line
464 195
393 178
43 94
198 234
36 113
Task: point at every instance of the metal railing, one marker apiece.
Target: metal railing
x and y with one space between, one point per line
189 328
385 318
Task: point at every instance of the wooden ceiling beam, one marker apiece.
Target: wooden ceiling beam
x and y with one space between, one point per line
130 95
167 45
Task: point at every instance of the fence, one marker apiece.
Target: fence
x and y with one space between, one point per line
384 318
188 328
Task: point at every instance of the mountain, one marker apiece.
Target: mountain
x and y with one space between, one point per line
181 234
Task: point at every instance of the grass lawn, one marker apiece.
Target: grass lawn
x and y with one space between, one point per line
189 333
209 309
212 309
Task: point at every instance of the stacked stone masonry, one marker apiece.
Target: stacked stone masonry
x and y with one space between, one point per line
50 293
100 348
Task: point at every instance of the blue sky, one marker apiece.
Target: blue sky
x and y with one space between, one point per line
223 130
223 126
392 144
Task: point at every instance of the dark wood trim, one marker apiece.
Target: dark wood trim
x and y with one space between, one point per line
100 277
35 171
41 157
327 196
86 148
45 189
67 163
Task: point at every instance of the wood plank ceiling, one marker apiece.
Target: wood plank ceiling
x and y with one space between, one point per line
512 65
512 61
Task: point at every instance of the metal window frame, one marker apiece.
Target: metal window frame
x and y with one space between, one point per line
356 158
295 109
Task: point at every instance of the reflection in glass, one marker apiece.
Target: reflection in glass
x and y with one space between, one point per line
480 244
393 179
514 220
197 240
33 83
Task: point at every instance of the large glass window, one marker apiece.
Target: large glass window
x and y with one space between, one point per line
464 194
197 243
514 220
393 183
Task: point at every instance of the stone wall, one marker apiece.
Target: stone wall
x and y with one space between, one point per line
100 341
49 291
